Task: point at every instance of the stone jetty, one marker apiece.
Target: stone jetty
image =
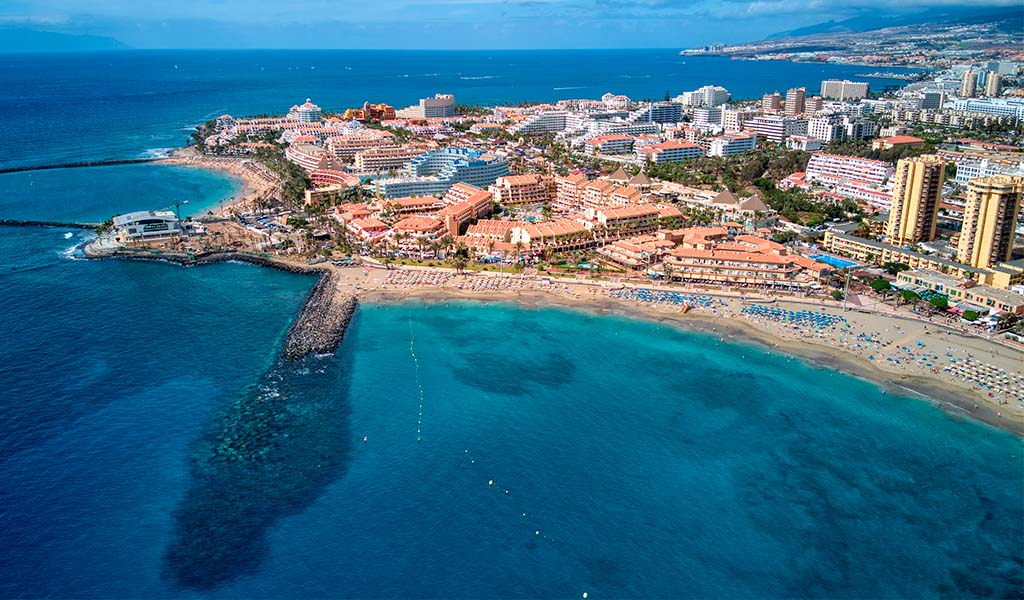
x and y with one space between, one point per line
324 318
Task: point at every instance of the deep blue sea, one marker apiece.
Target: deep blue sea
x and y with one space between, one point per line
153 445
93 106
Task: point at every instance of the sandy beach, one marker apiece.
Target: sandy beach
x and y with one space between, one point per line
968 376
256 180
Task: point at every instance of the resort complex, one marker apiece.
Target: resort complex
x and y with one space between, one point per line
822 200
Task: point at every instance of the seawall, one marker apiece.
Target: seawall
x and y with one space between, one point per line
61 224
79 165
324 318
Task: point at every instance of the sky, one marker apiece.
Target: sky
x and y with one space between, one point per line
448 24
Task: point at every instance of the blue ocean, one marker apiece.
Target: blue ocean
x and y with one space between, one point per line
152 443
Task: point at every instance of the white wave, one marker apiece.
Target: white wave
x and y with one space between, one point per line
572 87
74 252
68 235
158 152
480 77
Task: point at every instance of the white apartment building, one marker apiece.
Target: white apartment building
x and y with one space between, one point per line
777 128
708 95
441 105
549 121
734 120
668 152
732 144
843 89
834 169
707 116
967 170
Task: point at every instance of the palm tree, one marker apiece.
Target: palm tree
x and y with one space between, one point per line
399 237
435 247
422 242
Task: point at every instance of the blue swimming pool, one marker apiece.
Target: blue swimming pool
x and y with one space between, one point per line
835 261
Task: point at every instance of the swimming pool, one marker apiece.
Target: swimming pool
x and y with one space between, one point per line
835 261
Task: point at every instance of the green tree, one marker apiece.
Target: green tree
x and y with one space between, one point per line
894 268
971 315
938 303
909 296
881 285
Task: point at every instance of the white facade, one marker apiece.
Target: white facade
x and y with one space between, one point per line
707 116
835 168
843 89
777 128
732 144
708 95
992 106
146 225
968 170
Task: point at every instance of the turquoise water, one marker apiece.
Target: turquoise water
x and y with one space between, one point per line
153 445
835 261
652 462
96 194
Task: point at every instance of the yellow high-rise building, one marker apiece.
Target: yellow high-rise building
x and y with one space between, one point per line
916 196
990 217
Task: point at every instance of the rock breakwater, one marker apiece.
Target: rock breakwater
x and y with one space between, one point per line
323 320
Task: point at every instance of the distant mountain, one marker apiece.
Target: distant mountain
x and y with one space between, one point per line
20 40
965 15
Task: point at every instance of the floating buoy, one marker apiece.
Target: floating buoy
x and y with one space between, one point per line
365 439
506 492
584 595
536 532
490 482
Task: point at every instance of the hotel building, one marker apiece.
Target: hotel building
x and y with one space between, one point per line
916 197
732 144
557 236
434 172
990 219
511 190
969 84
345 147
734 120
311 158
671 151
713 255
613 143
569 192
843 89
441 105
964 294
834 169
777 128
385 158
772 102
464 208
795 98
306 112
